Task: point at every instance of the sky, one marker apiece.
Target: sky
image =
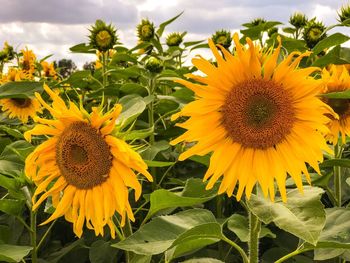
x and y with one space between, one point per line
52 27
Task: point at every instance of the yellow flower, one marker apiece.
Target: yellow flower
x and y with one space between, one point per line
21 108
261 120
110 54
337 79
28 62
48 70
84 169
13 74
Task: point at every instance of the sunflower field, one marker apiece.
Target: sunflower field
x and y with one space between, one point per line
230 149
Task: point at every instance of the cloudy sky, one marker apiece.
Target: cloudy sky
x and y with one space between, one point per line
51 27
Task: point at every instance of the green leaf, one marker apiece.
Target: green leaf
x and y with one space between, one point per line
332 57
20 89
133 88
193 193
79 79
140 258
13 132
303 214
164 24
288 30
133 106
158 163
136 134
82 48
159 234
11 253
123 57
56 256
239 225
151 152
194 239
337 95
203 260
102 252
330 41
11 206
205 160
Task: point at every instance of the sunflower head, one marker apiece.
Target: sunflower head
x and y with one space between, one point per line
20 108
27 62
83 168
336 79
48 69
103 37
298 20
174 39
256 22
223 38
264 112
344 13
154 65
314 32
145 30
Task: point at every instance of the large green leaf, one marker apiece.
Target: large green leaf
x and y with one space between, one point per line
194 239
336 162
11 206
11 253
159 234
240 226
194 193
303 215
330 41
133 106
102 252
20 89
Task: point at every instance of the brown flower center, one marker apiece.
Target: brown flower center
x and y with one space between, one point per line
340 106
21 103
82 155
258 113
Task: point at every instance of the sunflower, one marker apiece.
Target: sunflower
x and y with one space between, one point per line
261 120
48 69
82 167
28 62
337 79
21 108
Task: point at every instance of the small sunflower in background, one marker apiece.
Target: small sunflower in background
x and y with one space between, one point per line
174 39
82 167
48 70
314 32
103 37
20 108
223 38
145 30
27 63
260 119
337 79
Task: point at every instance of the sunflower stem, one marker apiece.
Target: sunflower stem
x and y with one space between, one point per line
127 233
33 236
254 231
337 176
104 78
151 124
292 254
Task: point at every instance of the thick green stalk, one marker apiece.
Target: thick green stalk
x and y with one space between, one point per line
33 236
292 254
254 231
151 89
337 176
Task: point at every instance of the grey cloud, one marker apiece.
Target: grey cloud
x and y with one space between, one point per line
67 11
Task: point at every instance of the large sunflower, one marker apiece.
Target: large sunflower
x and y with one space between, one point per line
337 79
21 108
28 62
261 120
84 169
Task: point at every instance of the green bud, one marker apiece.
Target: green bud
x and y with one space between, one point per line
344 13
298 20
145 30
223 38
154 65
313 32
102 37
174 39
